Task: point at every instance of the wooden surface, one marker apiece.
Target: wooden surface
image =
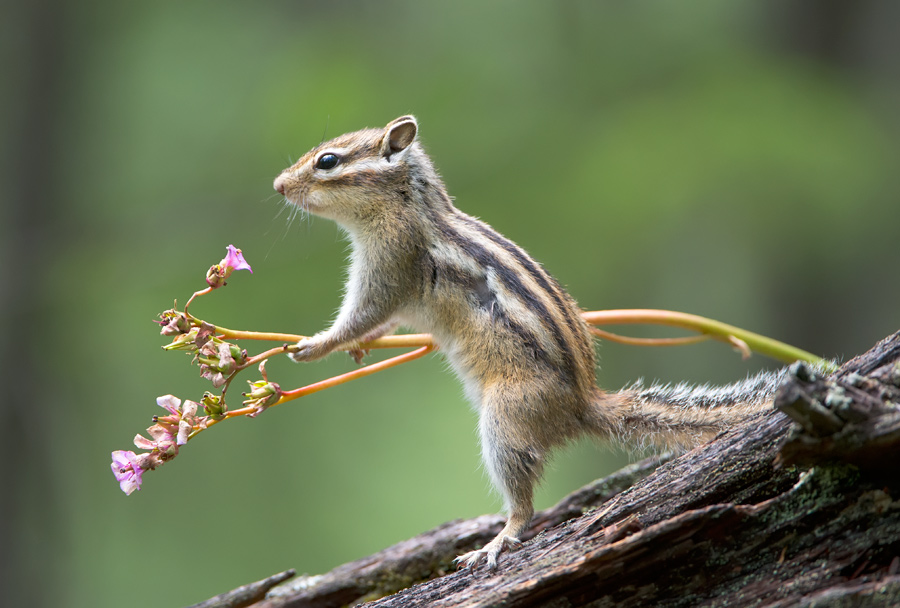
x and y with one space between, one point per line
776 513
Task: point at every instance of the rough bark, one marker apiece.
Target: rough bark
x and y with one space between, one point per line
776 513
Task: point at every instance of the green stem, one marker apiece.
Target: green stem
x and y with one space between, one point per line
722 331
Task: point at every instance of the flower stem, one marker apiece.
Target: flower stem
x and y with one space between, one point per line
357 373
743 340
608 335
396 341
197 294
737 337
255 359
286 396
721 331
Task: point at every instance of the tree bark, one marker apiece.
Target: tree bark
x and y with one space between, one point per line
774 513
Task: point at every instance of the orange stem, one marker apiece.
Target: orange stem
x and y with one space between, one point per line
362 372
620 339
197 294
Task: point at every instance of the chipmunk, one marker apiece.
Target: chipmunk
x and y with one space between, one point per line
510 332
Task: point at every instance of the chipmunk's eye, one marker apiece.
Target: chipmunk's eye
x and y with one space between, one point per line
328 161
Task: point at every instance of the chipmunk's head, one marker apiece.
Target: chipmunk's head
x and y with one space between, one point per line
353 175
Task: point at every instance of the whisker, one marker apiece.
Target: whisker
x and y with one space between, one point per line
327 120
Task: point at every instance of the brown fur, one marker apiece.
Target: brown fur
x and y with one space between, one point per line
510 332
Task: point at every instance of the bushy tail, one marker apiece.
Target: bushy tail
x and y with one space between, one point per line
681 416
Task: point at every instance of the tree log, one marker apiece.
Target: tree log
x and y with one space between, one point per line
774 513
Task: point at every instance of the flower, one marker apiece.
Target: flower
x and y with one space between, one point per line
233 260
186 424
170 403
216 377
126 467
165 430
166 434
163 442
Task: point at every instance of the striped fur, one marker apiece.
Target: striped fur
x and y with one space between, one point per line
681 416
510 332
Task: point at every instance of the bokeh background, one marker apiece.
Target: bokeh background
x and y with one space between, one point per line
732 159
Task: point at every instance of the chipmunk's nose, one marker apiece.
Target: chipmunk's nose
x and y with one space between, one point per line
279 184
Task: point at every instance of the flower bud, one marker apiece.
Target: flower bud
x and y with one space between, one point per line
262 395
215 276
173 323
213 405
238 354
186 341
227 364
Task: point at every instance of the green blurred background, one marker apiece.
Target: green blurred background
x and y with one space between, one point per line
732 159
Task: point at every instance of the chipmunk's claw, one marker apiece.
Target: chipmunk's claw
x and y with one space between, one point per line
490 552
309 349
357 354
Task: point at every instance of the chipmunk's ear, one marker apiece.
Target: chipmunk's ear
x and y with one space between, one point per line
399 134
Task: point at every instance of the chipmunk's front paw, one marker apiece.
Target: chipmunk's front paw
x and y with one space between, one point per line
489 551
310 349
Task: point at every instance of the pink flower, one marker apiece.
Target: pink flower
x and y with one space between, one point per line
164 442
126 467
216 377
185 416
185 425
170 403
233 260
166 434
